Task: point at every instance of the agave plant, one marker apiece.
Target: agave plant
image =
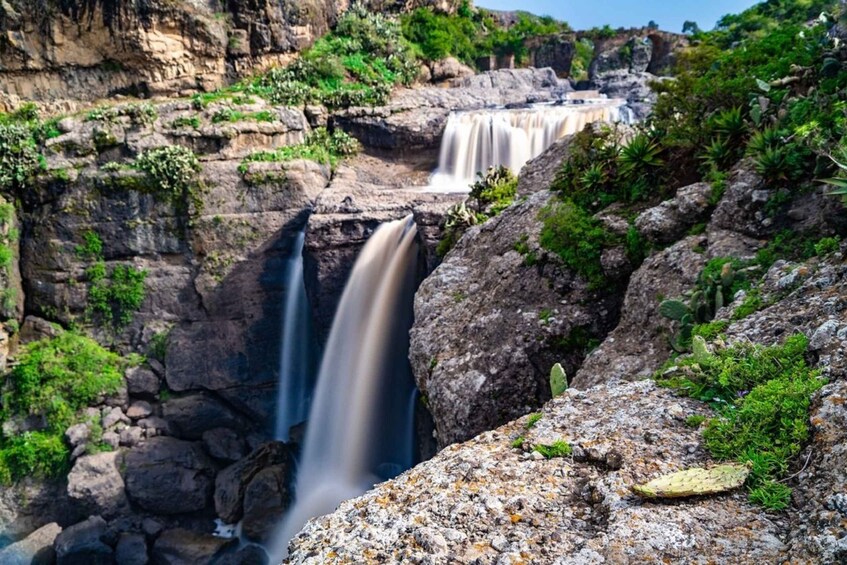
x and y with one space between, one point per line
731 125
593 179
719 154
761 141
840 184
778 164
640 155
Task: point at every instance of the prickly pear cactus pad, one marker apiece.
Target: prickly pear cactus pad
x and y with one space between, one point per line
558 380
695 482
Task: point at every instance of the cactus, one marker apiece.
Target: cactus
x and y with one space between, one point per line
695 482
558 380
702 355
674 309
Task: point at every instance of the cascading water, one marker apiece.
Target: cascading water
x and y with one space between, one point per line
360 429
296 359
477 140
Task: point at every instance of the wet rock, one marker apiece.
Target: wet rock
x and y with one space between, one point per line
35 549
184 547
232 482
96 484
266 499
131 550
436 509
169 476
82 544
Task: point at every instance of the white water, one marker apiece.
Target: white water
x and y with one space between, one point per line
477 140
360 427
296 371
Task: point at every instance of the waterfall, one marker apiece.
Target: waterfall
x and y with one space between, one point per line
296 364
359 429
474 141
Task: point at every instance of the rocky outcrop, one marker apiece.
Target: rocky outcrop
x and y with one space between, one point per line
486 501
96 484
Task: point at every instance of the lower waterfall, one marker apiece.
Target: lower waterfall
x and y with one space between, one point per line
360 429
296 359
477 140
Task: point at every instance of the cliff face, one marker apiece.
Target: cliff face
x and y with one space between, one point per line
89 49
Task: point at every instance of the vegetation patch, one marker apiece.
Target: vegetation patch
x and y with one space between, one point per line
53 380
113 296
556 449
761 396
320 146
172 172
493 192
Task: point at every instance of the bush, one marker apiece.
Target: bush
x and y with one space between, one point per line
494 191
172 171
19 157
54 379
576 237
762 396
113 297
320 146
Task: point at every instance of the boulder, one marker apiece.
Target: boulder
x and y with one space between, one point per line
83 544
489 326
96 483
169 476
35 549
224 444
139 409
449 69
184 547
232 482
670 220
247 555
131 550
742 208
142 381
191 416
488 502
266 499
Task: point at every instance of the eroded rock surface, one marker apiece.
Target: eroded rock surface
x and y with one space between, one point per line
486 502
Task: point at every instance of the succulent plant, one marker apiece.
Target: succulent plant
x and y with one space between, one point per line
695 482
558 380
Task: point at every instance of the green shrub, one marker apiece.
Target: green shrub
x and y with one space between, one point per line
533 419
19 157
113 297
762 397
556 449
576 237
494 191
320 146
172 171
138 114
54 379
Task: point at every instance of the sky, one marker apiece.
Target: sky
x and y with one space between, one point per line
585 14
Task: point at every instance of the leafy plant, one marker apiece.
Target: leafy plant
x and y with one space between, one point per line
494 191
172 171
19 157
762 397
556 449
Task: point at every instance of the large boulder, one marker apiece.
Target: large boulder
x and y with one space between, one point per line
489 325
35 549
184 547
84 544
232 482
169 476
486 501
96 483
266 499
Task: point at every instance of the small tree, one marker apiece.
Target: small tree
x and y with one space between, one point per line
690 28
652 25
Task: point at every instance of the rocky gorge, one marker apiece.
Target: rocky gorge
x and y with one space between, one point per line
186 288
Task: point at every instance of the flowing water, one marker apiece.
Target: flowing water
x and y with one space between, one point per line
477 140
359 429
296 359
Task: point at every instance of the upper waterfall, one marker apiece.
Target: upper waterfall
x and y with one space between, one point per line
359 429
476 140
